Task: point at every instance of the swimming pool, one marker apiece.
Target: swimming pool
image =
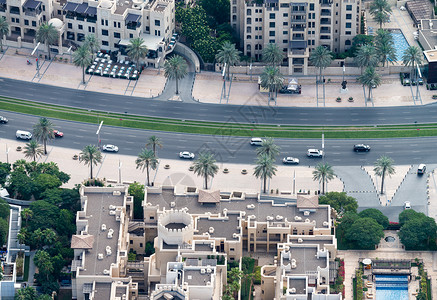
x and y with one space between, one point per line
390 287
400 43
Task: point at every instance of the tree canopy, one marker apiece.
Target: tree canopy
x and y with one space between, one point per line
136 190
418 231
376 215
365 233
340 201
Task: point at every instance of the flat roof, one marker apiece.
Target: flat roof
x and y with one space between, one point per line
298 283
222 228
431 55
102 291
306 260
97 213
196 278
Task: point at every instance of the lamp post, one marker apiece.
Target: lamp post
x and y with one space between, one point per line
37 62
98 134
250 68
119 171
7 153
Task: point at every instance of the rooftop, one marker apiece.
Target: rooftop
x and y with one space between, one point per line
223 228
97 214
431 55
102 291
196 278
297 283
306 260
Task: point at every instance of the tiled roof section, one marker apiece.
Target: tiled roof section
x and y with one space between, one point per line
307 201
209 196
82 241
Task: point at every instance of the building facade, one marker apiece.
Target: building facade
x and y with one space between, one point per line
113 23
297 27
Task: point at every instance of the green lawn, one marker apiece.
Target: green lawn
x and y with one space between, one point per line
213 128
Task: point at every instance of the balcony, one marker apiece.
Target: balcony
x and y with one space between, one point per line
298 29
133 25
298 21
326 12
298 61
91 19
298 12
70 15
326 2
298 38
297 51
325 21
325 37
326 31
32 13
14 10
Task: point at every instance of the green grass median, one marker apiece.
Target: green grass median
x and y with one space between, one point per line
213 128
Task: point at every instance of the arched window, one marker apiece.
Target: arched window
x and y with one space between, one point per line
347 42
248 47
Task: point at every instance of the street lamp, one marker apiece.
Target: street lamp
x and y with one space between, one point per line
119 171
37 62
98 134
7 153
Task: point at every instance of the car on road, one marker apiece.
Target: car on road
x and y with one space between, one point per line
256 141
23 135
110 148
290 160
421 169
361 148
3 120
58 133
186 155
314 153
407 205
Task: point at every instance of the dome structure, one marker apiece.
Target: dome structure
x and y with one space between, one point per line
55 22
106 4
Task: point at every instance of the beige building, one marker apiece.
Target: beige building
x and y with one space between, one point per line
113 23
195 234
296 26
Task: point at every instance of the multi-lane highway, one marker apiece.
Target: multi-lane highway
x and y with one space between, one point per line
217 112
228 149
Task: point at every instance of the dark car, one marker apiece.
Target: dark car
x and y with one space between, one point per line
361 148
3 120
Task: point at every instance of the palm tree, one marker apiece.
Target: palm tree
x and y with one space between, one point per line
91 155
365 56
92 43
273 80
175 68
43 262
268 147
383 166
412 57
4 30
49 236
27 214
33 150
384 47
146 159
323 174
82 58
154 141
272 54
370 79
380 10
48 35
205 166
27 293
137 50
43 131
321 58
228 55
265 168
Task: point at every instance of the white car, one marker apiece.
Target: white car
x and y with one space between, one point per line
407 205
290 160
110 148
186 155
402 8
314 153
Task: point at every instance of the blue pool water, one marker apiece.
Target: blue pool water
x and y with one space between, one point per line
390 287
400 43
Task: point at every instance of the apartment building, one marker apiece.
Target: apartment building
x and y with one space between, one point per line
296 26
113 23
195 234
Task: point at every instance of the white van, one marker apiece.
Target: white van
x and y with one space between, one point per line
24 135
256 142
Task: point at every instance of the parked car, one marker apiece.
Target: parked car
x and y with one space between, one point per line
407 205
3 120
256 141
290 160
186 155
314 153
419 80
58 133
361 148
406 82
402 8
110 148
421 169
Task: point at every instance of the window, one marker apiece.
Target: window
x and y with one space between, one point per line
347 42
349 7
26 22
105 32
105 43
147 29
348 25
118 24
285 23
59 12
271 33
152 218
248 12
106 22
103 22
141 245
312 6
80 27
285 15
89 28
157 23
272 24
284 41
34 23
44 8
285 32
115 24
249 29
231 249
256 37
271 41
158 32
348 32
249 21
248 47
70 26
272 16
249 37
131 36
117 35
348 16
131 242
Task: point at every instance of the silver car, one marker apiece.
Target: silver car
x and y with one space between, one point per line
110 148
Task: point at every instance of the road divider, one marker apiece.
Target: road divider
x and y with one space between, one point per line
213 128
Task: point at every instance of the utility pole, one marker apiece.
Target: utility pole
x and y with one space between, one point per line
98 134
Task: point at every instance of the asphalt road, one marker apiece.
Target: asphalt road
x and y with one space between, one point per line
229 149
218 112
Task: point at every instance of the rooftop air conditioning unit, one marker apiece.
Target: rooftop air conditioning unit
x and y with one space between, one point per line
300 240
202 271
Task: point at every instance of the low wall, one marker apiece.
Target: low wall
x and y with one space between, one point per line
183 50
16 201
